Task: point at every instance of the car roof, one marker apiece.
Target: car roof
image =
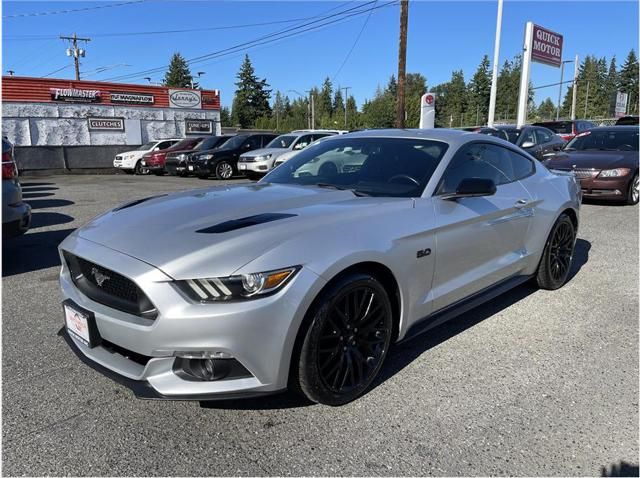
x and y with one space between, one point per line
616 128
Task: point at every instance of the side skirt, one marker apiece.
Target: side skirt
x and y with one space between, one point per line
462 306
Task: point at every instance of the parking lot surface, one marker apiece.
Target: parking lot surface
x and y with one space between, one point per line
532 383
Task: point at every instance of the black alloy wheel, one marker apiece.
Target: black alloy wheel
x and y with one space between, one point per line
347 342
558 254
138 168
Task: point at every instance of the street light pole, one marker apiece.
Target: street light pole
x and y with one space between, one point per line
494 76
575 88
308 105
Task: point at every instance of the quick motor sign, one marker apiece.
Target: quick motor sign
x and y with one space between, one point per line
546 47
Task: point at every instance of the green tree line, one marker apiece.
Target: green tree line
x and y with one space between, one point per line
458 102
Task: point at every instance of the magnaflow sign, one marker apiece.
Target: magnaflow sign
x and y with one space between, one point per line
546 47
75 95
106 124
185 99
131 98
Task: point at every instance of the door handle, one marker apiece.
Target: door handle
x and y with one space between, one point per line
520 203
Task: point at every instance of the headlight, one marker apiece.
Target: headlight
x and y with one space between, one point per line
264 157
240 287
614 173
203 157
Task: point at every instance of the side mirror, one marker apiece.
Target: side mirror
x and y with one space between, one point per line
472 187
528 144
246 146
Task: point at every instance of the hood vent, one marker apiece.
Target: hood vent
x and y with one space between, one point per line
136 202
235 224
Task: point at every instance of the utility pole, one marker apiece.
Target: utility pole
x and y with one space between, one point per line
575 88
494 76
312 116
560 88
76 52
346 88
402 62
586 102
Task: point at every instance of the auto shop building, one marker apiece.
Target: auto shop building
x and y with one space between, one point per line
68 125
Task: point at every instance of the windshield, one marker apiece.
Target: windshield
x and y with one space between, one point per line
283 141
512 134
187 143
558 127
608 140
211 143
388 167
494 132
235 142
146 147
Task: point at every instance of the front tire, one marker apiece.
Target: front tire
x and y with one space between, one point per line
555 264
138 168
346 342
633 194
224 170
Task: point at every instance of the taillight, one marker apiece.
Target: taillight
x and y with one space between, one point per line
6 156
8 169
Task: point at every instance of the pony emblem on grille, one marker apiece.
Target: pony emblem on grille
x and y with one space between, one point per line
99 276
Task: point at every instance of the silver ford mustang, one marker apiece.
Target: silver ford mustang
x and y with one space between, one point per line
306 278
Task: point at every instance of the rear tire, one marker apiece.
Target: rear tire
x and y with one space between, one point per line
633 194
345 342
557 256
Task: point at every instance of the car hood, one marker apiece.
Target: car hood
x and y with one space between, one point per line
593 159
274 152
163 231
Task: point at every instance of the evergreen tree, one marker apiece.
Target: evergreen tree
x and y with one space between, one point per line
611 87
251 100
546 110
353 118
415 87
479 92
629 81
225 116
338 107
178 74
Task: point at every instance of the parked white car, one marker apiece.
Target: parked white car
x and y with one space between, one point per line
260 161
129 161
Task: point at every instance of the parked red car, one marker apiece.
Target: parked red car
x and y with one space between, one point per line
567 130
154 162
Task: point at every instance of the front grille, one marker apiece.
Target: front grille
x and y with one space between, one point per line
581 173
109 288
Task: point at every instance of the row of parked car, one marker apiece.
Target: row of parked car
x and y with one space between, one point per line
250 154
605 159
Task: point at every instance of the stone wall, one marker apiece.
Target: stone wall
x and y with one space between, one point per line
47 124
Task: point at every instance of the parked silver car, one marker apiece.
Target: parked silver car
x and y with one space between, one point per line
259 162
305 280
16 214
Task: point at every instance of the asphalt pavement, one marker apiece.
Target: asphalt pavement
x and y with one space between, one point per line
533 383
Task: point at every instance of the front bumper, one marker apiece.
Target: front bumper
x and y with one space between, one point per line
257 167
16 220
259 334
198 168
611 189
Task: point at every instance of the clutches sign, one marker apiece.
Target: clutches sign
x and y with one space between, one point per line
106 124
75 95
185 99
547 47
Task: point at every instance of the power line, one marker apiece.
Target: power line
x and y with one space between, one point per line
286 33
55 71
74 10
364 25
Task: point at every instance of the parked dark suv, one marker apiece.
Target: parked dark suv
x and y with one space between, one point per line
567 130
223 162
176 161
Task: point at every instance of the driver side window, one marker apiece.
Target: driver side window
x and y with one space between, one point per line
478 160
